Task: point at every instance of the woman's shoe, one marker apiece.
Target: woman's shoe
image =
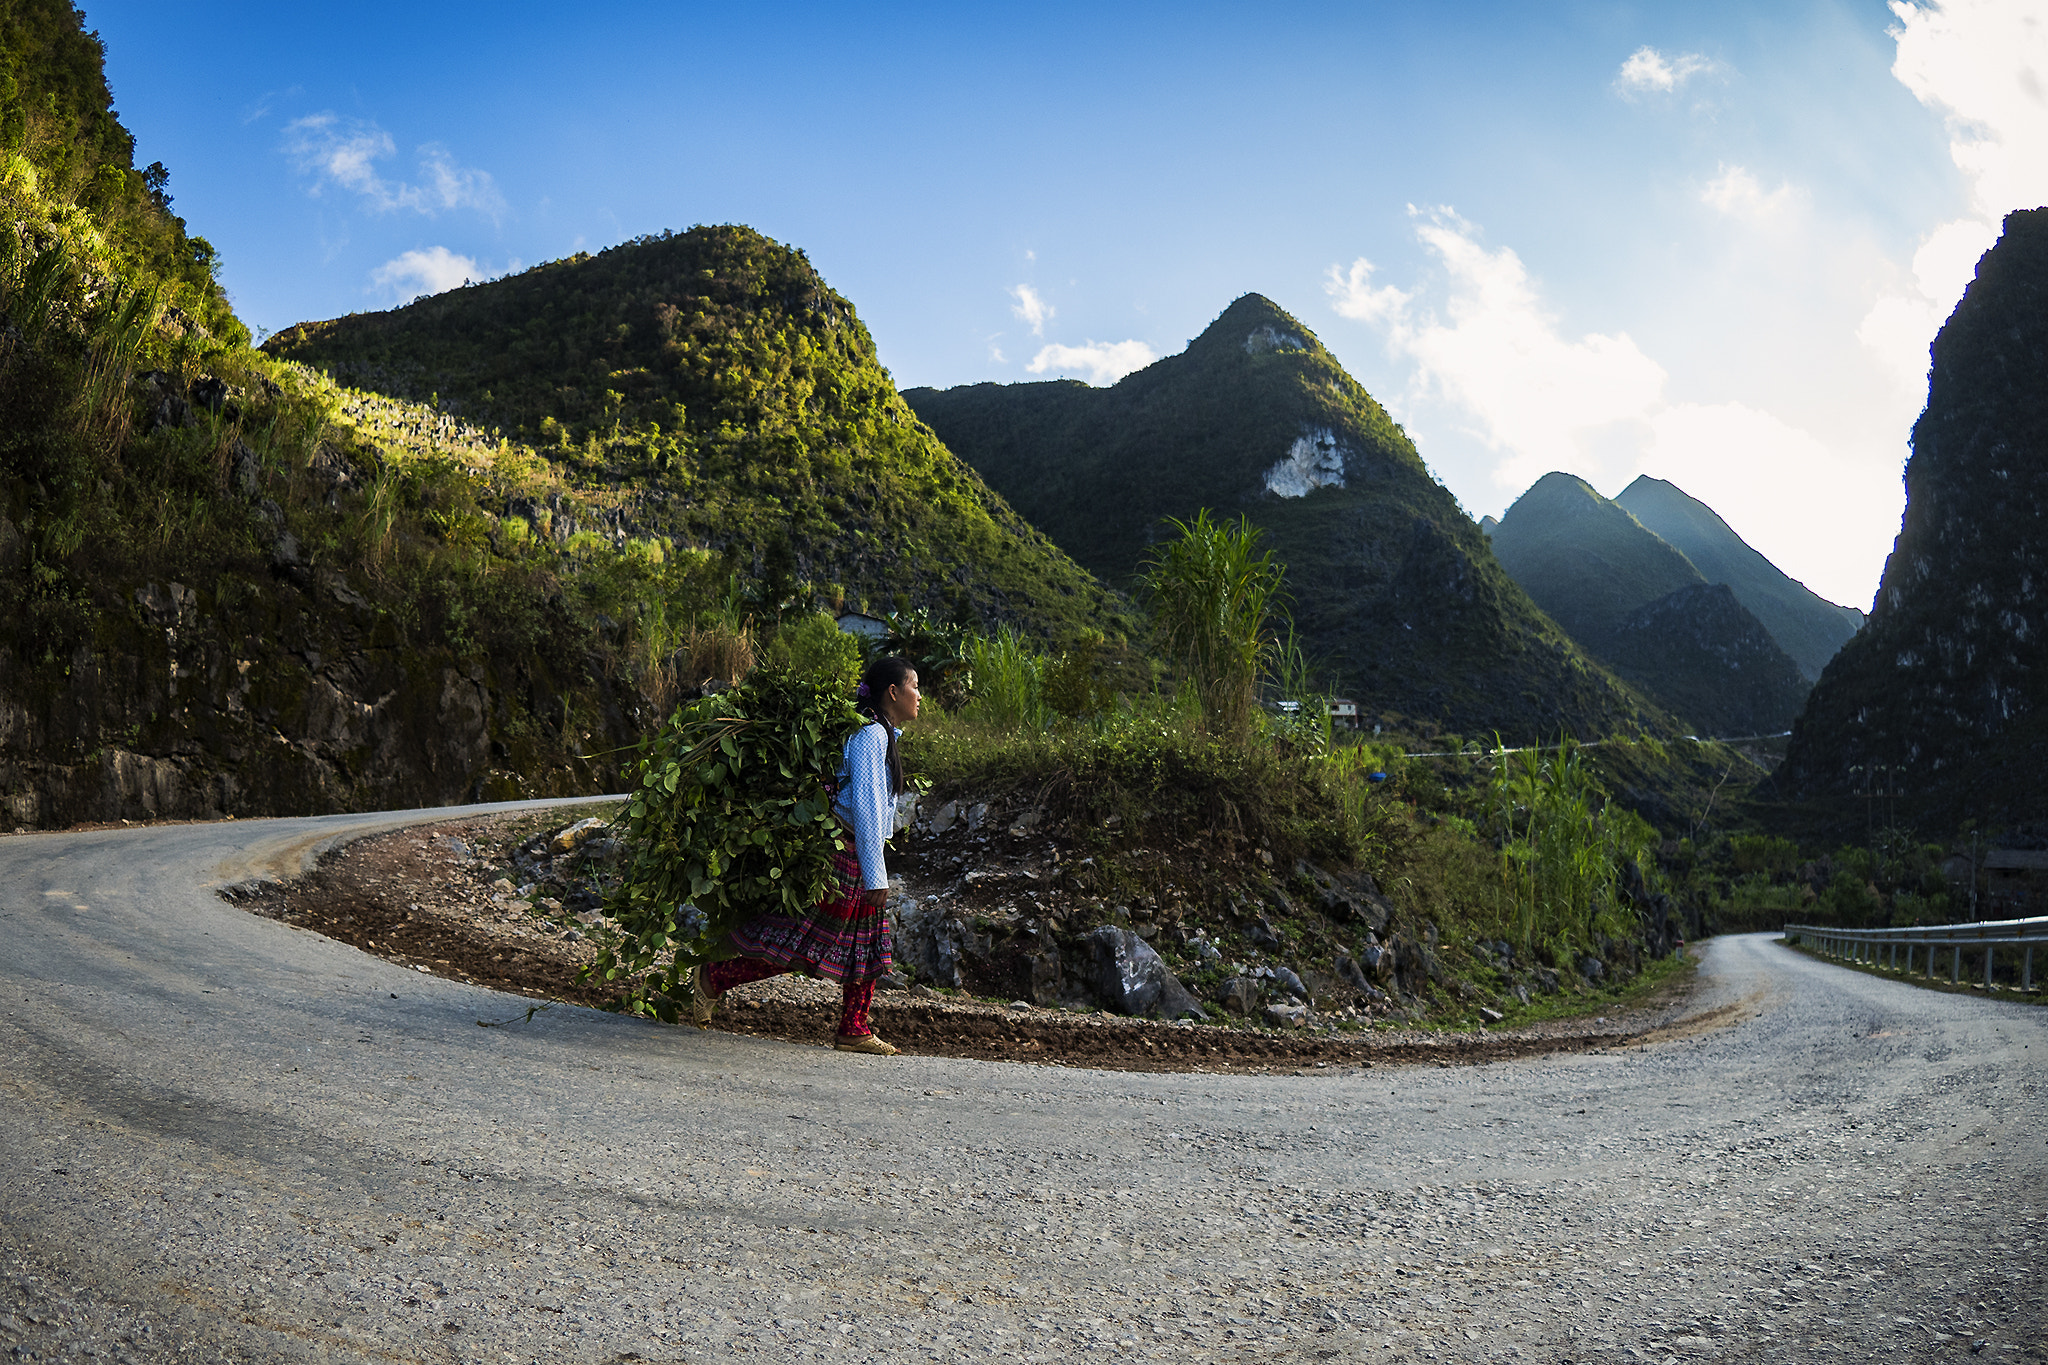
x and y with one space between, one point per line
865 1042
703 1003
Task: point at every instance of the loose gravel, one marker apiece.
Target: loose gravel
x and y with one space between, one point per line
225 1139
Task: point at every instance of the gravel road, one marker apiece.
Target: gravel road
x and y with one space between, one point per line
331 1161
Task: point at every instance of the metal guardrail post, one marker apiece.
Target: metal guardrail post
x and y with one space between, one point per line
1861 946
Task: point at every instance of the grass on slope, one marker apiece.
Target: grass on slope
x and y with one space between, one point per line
1395 592
714 376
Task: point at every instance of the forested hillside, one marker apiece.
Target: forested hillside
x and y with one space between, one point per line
229 585
1944 694
714 376
1394 589
1806 625
1645 610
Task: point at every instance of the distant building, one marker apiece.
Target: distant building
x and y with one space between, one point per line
867 627
1344 712
2015 882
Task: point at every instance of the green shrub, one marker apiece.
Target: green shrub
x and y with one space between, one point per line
1213 594
1008 691
1763 853
813 646
730 819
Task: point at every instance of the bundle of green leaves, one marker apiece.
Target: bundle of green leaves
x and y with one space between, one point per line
732 819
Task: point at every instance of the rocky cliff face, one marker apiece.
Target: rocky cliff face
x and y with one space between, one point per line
246 696
1948 683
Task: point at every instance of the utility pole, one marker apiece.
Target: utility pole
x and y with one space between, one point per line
1973 876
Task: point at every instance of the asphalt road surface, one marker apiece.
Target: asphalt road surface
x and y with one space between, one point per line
224 1138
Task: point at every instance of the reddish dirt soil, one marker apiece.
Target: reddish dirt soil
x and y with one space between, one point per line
405 897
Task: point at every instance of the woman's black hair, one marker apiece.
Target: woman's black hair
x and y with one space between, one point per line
887 671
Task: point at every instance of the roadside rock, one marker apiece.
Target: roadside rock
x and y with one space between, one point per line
1239 995
1130 978
582 832
1288 978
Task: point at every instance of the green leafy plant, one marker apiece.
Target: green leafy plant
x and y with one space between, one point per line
1009 681
1563 843
814 646
731 819
1213 593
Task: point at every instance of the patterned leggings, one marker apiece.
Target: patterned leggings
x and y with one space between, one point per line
738 971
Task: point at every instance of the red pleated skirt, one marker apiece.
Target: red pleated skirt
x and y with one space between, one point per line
843 937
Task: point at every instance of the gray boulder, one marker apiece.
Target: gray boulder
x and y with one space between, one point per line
1286 977
1239 994
1132 979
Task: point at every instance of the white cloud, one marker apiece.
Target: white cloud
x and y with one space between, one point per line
1736 192
1103 362
1354 297
432 271
1541 400
1487 357
1983 65
1648 71
1724 453
995 353
1033 309
346 152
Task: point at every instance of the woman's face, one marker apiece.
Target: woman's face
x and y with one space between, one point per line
899 703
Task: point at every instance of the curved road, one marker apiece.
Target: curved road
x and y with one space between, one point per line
224 1138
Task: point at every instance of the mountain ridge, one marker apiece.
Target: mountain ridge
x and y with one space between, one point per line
715 375
1806 625
1393 585
1644 609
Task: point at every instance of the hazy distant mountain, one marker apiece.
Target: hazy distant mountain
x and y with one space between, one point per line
1806 626
1946 688
1704 655
1392 583
1645 610
1583 559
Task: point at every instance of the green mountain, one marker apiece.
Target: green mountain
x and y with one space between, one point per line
230 586
1944 693
1806 626
1393 585
1642 608
737 401
1584 560
1706 657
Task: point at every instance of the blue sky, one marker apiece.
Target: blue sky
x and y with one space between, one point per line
1705 242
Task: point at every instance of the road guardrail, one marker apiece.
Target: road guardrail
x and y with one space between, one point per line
1987 936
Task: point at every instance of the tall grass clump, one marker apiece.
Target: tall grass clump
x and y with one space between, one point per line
1213 594
1564 845
1008 688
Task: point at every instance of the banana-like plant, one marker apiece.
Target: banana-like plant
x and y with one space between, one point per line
1214 594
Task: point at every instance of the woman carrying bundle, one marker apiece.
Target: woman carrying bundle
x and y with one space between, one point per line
846 935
